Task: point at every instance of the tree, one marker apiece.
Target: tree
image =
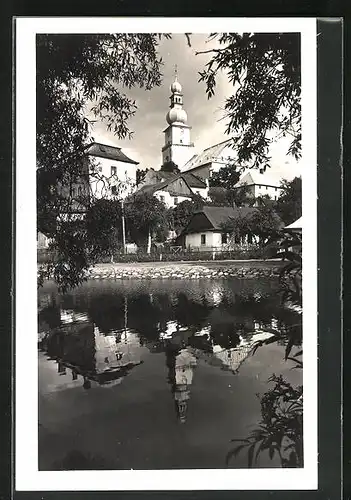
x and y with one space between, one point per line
146 216
170 166
140 176
289 203
265 71
261 224
238 197
79 78
181 214
226 177
104 228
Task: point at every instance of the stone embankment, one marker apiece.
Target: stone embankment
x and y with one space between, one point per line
189 270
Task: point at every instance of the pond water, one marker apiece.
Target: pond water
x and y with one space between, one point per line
155 374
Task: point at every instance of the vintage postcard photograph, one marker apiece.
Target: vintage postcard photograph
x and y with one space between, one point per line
166 254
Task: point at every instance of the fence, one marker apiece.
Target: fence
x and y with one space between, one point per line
175 254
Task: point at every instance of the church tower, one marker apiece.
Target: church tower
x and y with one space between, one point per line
178 147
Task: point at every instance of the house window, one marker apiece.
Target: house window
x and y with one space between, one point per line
176 201
266 188
275 189
181 141
224 238
113 170
162 198
113 189
203 239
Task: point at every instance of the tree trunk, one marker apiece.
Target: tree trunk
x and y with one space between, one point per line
149 243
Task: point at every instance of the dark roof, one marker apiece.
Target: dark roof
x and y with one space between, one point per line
191 179
219 215
152 188
211 218
109 152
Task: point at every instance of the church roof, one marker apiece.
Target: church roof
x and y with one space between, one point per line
254 177
207 155
109 152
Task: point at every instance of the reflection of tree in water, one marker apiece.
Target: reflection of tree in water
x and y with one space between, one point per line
189 313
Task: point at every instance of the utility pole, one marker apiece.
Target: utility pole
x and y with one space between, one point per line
123 228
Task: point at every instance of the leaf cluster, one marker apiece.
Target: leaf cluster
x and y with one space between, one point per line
265 71
280 429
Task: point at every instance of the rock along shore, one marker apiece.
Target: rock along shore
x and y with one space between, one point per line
188 270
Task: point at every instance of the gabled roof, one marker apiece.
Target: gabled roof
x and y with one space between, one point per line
108 152
216 217
153 188
253 178
219 215
207 155
191 179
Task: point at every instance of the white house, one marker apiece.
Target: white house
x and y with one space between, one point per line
260 183
205 232
114 172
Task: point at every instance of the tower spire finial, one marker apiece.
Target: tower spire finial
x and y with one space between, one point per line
176 72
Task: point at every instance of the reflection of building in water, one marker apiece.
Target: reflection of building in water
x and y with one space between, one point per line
69 316
176 333
181 366
231 359
115 351
78 345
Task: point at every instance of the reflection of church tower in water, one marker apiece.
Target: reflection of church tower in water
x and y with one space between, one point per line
181 366
178 147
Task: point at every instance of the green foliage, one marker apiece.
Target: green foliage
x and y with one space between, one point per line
239 197
77 75
280 429
140 176
262 222
104 228
146 214
180 215
289 203
226 177
265 71
170 166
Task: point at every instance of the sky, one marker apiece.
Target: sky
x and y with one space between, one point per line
205 116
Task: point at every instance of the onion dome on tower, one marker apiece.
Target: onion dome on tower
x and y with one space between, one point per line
176 114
